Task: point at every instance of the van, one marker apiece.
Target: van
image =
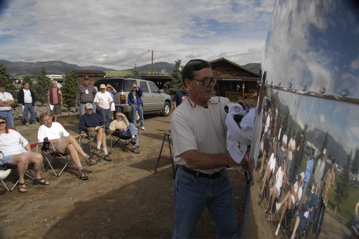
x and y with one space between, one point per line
154 100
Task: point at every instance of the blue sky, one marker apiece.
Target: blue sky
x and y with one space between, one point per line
119 34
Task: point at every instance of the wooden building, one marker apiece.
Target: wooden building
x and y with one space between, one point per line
234 81
94 75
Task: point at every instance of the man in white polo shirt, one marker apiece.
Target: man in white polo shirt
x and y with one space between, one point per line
26 99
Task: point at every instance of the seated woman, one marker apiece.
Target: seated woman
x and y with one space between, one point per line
17 151
307 213
274 192
290 200
121 127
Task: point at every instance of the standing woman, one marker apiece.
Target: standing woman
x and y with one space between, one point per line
16 150
112 92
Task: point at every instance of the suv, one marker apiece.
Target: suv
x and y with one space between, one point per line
154 100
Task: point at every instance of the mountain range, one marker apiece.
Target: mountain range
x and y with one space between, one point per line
59 67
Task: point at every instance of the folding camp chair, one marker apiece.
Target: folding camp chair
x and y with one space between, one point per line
51 155
90 138
123 140
12 166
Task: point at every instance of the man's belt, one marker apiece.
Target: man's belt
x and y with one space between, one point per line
5 110
200 174
85 102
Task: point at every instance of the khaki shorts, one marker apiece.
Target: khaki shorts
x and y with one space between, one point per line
56 110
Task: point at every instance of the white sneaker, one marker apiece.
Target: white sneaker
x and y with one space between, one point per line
5 173
277 206
143 127
276 231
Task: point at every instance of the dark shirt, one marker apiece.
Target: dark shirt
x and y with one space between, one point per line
298 157
85 94
21 95
90 121
179 97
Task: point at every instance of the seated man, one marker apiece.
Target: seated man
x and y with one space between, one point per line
290 200
269 170
93 123
274 192
122 127
17 151
307 213
63 142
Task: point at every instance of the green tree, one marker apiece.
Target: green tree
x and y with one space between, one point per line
342 189
42 86
136 73
5 76
28 79
355 165
69 89
176 83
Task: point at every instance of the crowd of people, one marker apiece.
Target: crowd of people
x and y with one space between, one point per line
16 149
284 188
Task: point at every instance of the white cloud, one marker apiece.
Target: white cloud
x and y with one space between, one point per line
118 33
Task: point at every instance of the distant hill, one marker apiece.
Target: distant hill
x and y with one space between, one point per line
52 67
254 67
60 67
166 67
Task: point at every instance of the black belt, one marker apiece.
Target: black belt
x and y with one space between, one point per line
86 102
5 110
200 174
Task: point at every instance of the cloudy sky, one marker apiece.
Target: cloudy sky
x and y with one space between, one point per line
122 34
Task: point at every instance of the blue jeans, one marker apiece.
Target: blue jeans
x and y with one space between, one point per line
304 187
82 109
192 194
106 116
140 112
9 118
29 107
281 156
294 174
132 130
320 217
94 106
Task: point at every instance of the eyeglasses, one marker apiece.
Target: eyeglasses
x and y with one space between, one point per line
2 122
119 116
207 81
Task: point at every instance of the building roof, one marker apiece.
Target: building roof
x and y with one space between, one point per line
224 61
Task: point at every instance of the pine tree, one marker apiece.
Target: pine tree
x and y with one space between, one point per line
69 89
5 76
42 86
176 83
355 165
342 189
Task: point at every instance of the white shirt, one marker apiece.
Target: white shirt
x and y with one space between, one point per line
284 140
272 162
291 146
6 96
199 128
279 178
27 96
103 99
300 192
54 132
12 143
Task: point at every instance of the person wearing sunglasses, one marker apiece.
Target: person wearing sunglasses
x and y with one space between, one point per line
199 140
121 127
17 151
134 100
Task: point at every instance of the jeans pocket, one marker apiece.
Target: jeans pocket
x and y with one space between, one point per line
184 177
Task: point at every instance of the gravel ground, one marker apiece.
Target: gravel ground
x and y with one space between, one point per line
121 199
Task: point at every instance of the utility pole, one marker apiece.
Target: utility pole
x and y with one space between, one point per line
152 64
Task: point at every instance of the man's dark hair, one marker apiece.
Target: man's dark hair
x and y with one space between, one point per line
192 66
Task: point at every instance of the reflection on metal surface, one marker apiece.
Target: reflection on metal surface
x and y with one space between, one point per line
308 106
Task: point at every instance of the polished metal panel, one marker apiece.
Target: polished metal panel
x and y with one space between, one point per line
309 84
